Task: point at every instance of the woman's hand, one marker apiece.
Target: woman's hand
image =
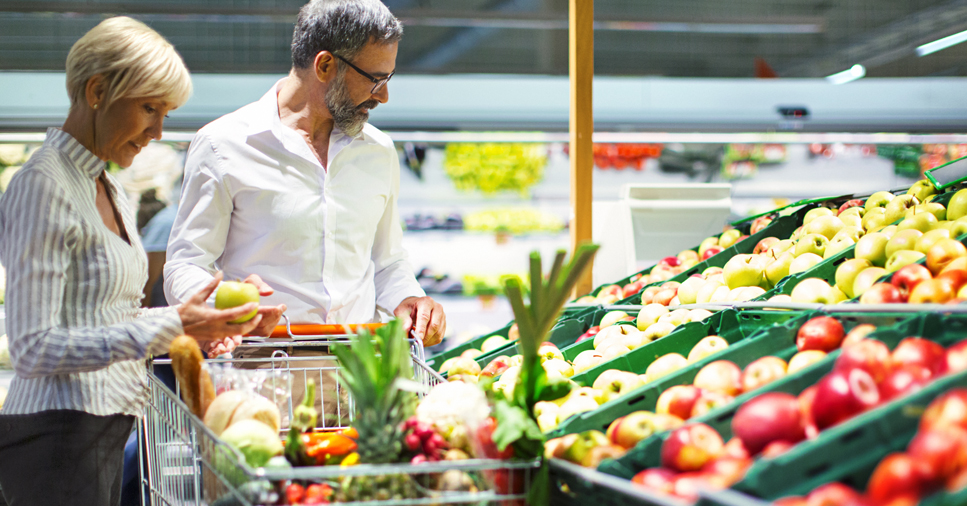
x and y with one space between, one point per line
211 327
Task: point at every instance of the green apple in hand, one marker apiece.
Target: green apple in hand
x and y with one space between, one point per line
236 293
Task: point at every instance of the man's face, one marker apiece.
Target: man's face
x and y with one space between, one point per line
349 96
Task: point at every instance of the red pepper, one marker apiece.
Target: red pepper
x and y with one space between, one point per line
318 494
294 494
323 445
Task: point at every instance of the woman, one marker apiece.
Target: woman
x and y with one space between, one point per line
76 270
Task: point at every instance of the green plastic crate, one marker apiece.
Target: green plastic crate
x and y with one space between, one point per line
573 485
437 360
780 341
733 326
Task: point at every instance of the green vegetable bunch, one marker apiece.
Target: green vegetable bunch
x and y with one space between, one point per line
495 167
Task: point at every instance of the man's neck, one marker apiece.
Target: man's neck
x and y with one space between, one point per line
297 111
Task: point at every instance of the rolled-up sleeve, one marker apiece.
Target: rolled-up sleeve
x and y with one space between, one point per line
39 236
201 226
394 276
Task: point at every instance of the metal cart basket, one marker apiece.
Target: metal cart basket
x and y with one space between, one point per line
183 462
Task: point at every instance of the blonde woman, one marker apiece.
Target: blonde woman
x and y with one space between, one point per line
76 270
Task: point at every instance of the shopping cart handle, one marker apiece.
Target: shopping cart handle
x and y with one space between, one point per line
321 330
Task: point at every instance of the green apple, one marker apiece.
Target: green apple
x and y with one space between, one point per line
779 268
878 199
616 383
650 314
826 226
902 240
811 243
445 366
709 345
874 219
852 220
612 317
902 258
677 317
853 233
812 214
781 247
958 229
922 189
471 353
742 270
688 291
804 262
744 293
585 441
697 315
586 360
492 343
897 207
923 222
846 274
660 329
560 366
888 231
852 211
938 210
664 365
729 237
866 278
711 271
957 207
837 245
721 294
707 243
872 247
811 290
928 239
704 295
236 293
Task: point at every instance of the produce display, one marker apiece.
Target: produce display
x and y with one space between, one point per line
495 167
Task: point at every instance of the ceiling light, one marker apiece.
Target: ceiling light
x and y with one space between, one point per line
944 43
853 73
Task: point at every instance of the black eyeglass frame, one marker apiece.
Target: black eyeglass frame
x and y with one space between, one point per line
377 83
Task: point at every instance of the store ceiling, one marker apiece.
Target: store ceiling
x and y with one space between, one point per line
681 38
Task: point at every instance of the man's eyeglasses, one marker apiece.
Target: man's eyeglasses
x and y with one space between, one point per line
377 83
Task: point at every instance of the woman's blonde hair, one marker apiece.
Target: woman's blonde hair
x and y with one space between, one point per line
135 61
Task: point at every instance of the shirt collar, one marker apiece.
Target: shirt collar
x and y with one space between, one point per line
86 161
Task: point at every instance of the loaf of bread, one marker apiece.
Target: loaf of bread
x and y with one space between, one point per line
197 389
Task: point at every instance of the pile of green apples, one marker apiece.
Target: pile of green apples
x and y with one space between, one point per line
884 247
460 364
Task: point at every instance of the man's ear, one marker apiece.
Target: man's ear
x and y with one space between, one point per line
324 66
94 91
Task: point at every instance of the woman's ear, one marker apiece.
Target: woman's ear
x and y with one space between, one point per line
95 91
324 66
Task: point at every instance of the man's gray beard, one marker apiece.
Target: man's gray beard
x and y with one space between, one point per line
345 114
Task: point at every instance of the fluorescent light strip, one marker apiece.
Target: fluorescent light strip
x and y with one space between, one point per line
851 74
944 43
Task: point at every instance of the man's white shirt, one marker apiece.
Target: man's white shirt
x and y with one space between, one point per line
256 200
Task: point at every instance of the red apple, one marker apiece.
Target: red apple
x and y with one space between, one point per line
648 295
821 333
598 454
776 448
690 447
932 291
593 331
897 474
709 401
678 400
496 367
805 401
730 469
943 452
950 409
772 416
858 333
922 352
631 289
841 395
665 296
609 290
720 376
687 485
759 223
850 203
656 479
711 251
957 482
763 245
735 449
763 371
870 355
832 494
673 261
908 277
956 277
628 430
903 380
882 293
792 500
957 357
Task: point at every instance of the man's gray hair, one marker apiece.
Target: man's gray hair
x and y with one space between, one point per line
342 27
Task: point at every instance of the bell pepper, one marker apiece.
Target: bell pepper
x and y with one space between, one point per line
323 446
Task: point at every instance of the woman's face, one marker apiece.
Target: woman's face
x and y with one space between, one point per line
127 126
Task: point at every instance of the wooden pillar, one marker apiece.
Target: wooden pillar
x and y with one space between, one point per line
581 68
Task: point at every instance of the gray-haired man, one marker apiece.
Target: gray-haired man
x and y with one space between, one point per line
300 190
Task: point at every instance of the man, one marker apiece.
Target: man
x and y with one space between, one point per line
300 190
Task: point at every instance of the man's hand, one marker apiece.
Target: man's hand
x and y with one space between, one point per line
270 314
424 318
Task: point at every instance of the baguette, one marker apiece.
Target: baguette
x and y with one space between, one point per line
196 385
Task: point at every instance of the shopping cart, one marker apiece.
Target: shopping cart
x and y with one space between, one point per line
184 463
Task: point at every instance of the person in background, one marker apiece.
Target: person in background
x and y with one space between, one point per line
298 189
155 235
78 337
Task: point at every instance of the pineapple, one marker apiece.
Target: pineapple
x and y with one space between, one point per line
373 371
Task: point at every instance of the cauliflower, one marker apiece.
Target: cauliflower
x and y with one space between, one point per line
454 408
